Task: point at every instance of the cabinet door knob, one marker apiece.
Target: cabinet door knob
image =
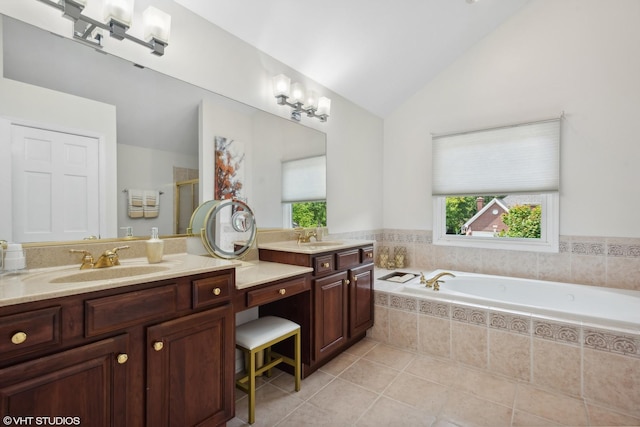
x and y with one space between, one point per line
217 291
282 291
369 255
122 358
158 345
355 279
347 281
325 264
19 337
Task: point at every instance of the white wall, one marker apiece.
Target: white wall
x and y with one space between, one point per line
207 56
143 168
577 56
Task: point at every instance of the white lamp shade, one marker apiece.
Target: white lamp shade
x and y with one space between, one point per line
157 24
297 93
312 99
281 85
324 106
119 10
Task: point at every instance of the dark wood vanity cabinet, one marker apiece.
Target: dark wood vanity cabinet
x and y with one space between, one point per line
342 297
154 354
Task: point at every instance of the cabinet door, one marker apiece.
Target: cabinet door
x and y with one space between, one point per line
331 311
86 385
190 370
360 300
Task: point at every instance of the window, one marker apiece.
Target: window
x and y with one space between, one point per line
498 188
304 192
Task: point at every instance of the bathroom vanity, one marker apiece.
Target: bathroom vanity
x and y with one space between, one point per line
341 308
161 350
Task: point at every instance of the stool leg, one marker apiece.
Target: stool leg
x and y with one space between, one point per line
252 387
267 359
297 358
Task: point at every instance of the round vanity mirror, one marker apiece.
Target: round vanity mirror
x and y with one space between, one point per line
227 228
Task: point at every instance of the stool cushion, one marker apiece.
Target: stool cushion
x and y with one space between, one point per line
262 330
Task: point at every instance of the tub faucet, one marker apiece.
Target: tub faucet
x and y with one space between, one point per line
435 281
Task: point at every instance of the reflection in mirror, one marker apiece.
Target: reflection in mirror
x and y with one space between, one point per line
162 125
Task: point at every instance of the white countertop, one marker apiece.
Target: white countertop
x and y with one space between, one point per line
34 285
253 273
314 247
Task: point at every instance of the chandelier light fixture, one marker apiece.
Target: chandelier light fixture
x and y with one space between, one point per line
118 17
295 96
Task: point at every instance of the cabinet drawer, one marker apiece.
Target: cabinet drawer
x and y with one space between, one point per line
367 255
323 264
212 290
121 311
277 291
347 259
29 331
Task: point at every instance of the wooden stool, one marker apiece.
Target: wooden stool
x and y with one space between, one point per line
260 334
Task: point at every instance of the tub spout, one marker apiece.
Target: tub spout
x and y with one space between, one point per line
435 281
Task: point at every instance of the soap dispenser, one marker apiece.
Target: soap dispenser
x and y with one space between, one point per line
155 247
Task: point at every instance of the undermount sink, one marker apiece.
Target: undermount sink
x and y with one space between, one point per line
109 273
322 243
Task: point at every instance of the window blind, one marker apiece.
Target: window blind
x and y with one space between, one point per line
304 180
513 159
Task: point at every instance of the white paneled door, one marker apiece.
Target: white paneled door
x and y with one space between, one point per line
56 187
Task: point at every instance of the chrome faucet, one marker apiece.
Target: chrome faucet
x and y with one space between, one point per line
435 280
304 236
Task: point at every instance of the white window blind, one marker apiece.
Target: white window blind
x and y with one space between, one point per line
304 180
513 159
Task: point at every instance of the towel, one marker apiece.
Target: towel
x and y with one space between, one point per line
151 206
134 208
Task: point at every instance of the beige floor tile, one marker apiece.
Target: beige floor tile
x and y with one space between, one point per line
311 416
370 375
344 400
468 410
560 408
524 419
339 364
272 405
309 386
428 396
599 416
485 385
390 356
362 347
436 370
387 412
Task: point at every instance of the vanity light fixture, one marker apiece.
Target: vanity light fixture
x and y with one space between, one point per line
295 96
118 16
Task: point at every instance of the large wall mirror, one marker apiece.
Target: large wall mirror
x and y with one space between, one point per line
166 132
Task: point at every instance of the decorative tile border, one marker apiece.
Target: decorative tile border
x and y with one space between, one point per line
588 248
403 303
468 315
433 308
511 323
381 298
561 332
625 344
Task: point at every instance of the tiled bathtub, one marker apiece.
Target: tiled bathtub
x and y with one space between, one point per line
596 360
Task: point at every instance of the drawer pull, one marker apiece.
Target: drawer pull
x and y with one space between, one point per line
369 255
158 345
19 338
217 291
122 358
325 265
282 291
347 281
355 279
